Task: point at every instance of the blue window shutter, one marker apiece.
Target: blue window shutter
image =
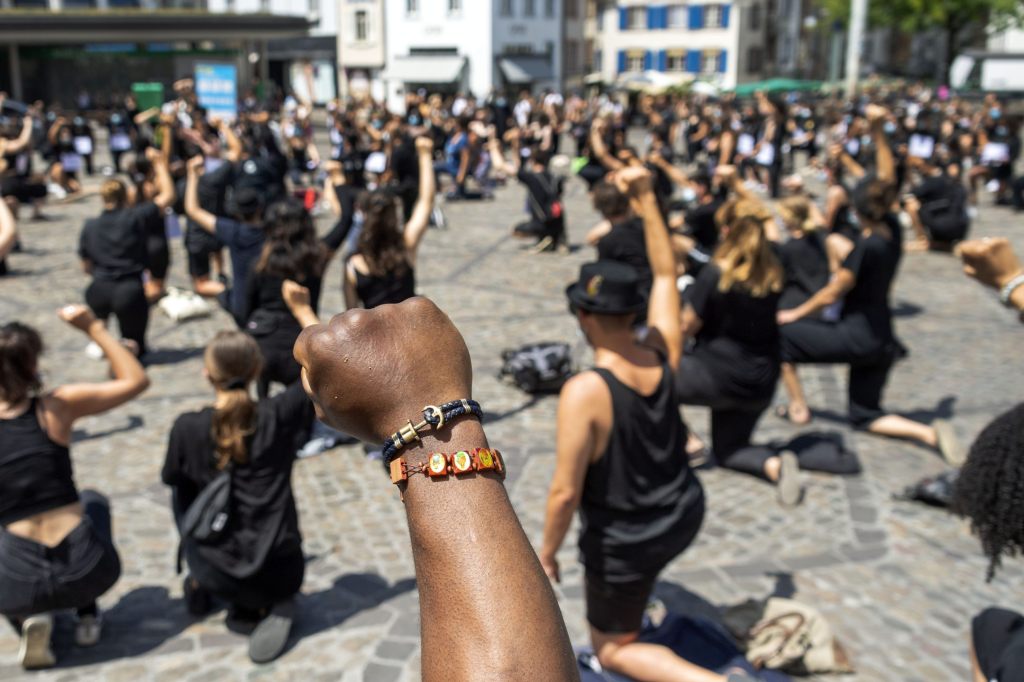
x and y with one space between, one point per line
652 17
693 61
648 60
725 16
622 61
696 16
663 12
662 60
722 61
623 18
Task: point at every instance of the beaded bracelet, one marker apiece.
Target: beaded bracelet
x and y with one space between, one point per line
439 465
434 417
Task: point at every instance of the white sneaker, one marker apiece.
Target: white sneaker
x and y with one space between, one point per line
94 351
56 190
35 651
88 630
972 212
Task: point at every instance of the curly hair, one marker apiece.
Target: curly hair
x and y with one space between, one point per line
292 250
990 489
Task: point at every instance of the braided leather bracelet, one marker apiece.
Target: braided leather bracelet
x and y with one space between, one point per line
434 417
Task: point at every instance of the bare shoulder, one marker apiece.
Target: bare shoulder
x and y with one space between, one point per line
584 392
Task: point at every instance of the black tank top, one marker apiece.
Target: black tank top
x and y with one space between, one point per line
35 472
640 496
391 288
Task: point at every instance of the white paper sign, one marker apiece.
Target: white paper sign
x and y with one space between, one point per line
83 145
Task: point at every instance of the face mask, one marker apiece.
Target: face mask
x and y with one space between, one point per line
689 195
995 113
890 128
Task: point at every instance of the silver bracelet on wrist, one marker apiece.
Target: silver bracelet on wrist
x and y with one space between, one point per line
1007 291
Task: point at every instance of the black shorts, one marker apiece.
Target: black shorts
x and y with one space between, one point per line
998 639
617 607
158 256
200 245
22 189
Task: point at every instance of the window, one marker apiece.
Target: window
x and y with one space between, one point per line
529 8
572 9
549 8
710 62
636 18
635 62
454 6
678 16
713 16
755 59
755 17
506 8
362 26
675 61
572 59
412 6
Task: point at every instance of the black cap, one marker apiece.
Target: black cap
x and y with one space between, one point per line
248 201
607 287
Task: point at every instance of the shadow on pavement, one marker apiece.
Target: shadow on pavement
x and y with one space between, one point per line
79 435
170 356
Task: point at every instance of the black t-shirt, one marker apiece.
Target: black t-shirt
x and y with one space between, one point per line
263 293
545 190
805 262
700 223
625 243
738 338
264 517
867 317
405 163
152 221
115 243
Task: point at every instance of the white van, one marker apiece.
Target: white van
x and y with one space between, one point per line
1001 73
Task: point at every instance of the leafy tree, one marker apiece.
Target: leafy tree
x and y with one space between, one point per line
960 20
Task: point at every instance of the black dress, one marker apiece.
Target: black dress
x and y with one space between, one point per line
863 337
259 562
392 287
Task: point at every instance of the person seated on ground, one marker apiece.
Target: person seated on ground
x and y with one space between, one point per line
992 262
17 185
56 549
734 365
804 255
863 337
368 372
112 248
990 493
937 207
257 564
383 269
457 157
243 234
152 197
620 446
543 193
696 240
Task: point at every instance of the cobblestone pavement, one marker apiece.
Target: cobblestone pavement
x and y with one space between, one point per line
898 582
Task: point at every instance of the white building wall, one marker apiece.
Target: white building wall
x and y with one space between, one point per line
360 62
467 31
614 41
540 33
327 10
1007 41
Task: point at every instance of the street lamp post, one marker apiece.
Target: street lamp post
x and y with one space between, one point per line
854 45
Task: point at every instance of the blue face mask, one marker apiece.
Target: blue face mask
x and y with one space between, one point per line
995 113
890 128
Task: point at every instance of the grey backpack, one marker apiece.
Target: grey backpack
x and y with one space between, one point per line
209 515
538 367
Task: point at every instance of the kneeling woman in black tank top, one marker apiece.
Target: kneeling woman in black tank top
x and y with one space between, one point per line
383 270
55 544
257 563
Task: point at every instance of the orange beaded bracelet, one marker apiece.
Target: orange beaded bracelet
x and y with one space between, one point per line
439 464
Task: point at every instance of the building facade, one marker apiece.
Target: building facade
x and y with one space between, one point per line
723 43
361 49
56 49
480 46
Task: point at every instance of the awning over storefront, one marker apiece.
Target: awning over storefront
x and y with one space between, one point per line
524 69
426 69
27 27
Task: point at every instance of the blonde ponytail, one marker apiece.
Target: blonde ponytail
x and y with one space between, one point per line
233 361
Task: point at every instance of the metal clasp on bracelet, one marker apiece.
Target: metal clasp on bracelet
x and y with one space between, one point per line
410 432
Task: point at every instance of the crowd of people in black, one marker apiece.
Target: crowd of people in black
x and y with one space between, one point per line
718 273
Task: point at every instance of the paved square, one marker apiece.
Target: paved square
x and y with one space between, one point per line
898 582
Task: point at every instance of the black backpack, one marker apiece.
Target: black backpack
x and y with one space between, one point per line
209 515
539 367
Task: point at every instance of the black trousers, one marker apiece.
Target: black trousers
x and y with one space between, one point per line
126 300
37 579
998 639
817 341
733 420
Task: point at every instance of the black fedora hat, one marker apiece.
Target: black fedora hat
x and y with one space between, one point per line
607 287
